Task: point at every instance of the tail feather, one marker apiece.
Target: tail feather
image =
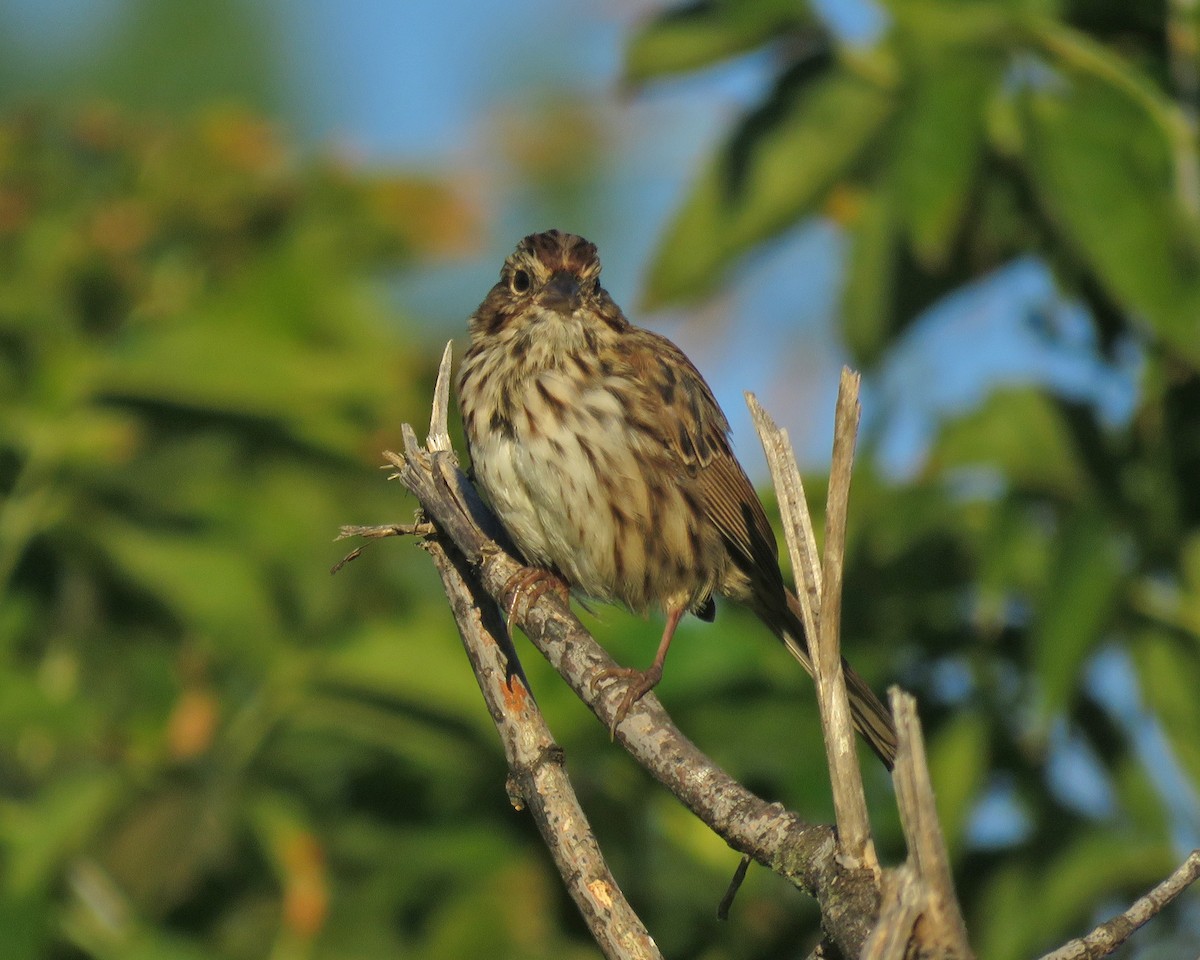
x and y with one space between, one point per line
872 718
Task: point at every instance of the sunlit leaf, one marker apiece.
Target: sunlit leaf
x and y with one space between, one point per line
41 835
868 297
1021 433
1169 671
1077 604
765 181
1103 167
699 33
958 764
939 141
180 572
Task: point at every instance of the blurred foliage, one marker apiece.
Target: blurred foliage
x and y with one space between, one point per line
148 54
971 132
1041 552
207 746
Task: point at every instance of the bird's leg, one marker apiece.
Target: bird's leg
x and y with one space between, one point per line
639 682
525 587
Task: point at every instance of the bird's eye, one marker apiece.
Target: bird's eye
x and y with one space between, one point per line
520 281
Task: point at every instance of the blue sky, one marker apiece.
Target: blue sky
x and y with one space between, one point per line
427 85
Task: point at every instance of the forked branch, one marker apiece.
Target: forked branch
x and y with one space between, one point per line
537 778
777 838
823 580
866 912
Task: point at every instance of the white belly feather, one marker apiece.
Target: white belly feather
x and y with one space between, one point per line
549 492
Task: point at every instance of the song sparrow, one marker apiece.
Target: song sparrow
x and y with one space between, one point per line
606 457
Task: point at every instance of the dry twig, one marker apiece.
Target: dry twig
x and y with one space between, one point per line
537 778
802 852
920 910
822 623
907 911
1112 933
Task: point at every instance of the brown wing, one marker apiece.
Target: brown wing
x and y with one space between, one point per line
700 444
696 434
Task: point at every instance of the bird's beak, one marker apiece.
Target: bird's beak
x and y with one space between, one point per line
561 293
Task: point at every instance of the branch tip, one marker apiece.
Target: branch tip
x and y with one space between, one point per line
1112 933
439 434
735 884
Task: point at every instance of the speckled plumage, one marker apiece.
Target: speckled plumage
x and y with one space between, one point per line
606 457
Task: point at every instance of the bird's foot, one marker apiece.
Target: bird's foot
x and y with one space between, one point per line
525 587
638 684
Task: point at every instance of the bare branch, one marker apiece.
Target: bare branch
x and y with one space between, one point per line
793 507
735 884
1112 933
537 777
421 528
849 800
802 852
377 533
903 899
942 931
899 913
439 432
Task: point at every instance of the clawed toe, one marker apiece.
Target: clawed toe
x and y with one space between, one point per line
526 587
638 684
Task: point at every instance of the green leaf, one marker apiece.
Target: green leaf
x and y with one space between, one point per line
1030 906
699 34
1019 432
39 835
26 924
376 658
870 280
151 944
1000 917
1141 803
958 764
766 180
939 145
196 368
1095 865
1169 670
1103 169
180 571
1077 604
